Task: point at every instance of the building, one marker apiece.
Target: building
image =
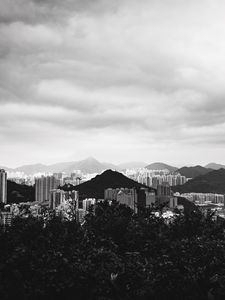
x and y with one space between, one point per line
87 203
80 215
73 196
172 202
3 186
6 218
128 197
56 197
43 186
150 198
165 195
111 194
136 199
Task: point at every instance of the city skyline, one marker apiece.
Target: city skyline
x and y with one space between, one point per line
120 81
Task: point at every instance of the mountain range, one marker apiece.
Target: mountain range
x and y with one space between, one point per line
212 182
88 165
215 166
161 166
193 172
91 165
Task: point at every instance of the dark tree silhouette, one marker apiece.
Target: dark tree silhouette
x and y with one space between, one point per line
116 254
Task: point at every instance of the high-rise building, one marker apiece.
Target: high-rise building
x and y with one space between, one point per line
154 182
87 203
73 196
136 199
43 186
128 197
6 218
3 186
56 197
164 193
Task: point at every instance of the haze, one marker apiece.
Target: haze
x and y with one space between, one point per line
117 80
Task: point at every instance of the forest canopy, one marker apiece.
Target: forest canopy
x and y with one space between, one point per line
115 254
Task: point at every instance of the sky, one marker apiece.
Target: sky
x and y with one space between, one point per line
122 80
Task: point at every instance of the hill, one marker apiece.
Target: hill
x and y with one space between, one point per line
161 166
95 187
192 172
17 193
89 165
212 182
6 169
189 206
31 169
215 166
132 165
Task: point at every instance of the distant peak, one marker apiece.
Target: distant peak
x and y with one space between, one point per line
90 158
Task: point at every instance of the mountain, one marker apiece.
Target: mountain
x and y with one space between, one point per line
89 165
215 166
192 172
212 182
17 193
31 169
189 206
132 165
95 187
6 169
161 166
59 167
110 166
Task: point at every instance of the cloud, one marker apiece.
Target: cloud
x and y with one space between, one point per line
147 74
50 11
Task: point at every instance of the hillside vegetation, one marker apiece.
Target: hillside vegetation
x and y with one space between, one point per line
114 255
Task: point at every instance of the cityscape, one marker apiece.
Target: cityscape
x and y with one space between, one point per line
57 192
112 166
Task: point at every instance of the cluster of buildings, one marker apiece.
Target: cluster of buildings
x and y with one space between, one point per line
207 202
20 178
140 198
47 191
49 195
74 178
204 198
153 178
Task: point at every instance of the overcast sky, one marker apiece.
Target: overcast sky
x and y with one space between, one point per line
118 80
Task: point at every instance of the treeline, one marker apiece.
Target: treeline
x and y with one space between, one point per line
116 254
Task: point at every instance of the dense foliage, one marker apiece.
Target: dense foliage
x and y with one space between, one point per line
212 182
192 172
116 254
17 193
